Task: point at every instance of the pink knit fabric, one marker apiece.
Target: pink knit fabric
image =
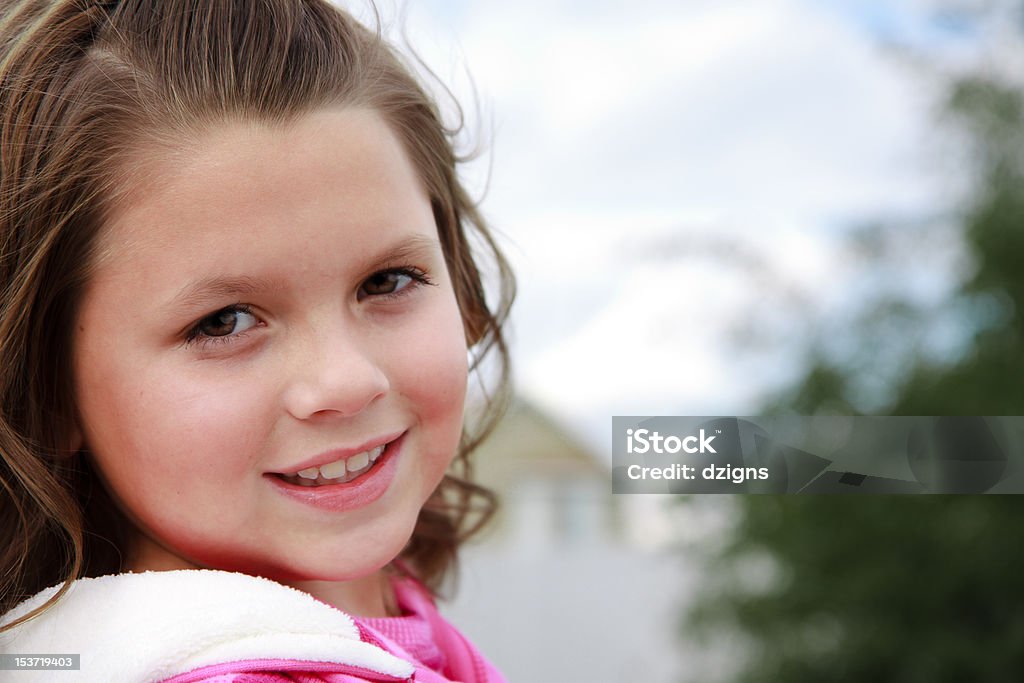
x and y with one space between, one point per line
413 633
463 661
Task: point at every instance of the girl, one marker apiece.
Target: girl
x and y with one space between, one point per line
237 291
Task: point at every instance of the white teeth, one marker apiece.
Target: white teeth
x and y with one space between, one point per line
333 470
309 473
357 462
338 471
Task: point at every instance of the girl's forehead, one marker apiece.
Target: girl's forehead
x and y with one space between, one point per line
341 167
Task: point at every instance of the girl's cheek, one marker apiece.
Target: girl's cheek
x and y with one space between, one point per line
437 364
188 418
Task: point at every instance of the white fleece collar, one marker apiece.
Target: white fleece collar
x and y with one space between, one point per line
147 627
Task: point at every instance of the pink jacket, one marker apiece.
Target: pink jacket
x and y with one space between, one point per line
204 626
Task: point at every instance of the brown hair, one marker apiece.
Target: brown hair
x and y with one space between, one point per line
83 85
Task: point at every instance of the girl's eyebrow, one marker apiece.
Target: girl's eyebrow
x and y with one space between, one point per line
218 288
407 248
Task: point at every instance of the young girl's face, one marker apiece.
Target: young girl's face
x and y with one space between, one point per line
267 301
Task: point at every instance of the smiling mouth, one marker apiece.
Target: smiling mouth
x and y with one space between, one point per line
338 472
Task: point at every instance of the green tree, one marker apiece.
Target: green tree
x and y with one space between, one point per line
904 589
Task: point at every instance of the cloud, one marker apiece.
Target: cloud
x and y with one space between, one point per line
774 121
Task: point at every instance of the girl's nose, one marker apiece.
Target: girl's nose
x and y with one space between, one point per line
336 376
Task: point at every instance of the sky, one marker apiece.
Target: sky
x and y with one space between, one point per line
672 180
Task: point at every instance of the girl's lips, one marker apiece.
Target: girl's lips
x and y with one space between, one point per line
350 495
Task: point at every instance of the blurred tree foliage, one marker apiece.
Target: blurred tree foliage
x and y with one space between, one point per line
901 588
907 589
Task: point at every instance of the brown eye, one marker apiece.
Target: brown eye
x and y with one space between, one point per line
224 323
388 282
219 324
393 283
